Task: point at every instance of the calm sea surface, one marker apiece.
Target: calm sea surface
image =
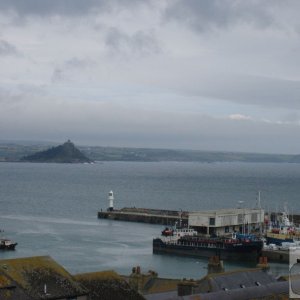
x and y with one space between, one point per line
51 209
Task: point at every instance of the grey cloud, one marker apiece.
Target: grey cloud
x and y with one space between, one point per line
242 89
269 92
8 98
78 63
7 48
63 7
49 7
20 91
57 75
138 43
293 117
70 66
146 129
210 14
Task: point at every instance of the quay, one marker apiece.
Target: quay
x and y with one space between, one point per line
146 215
217 222
279 256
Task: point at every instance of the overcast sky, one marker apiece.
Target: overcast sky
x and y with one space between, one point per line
185 74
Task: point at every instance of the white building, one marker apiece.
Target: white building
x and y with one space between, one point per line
219 222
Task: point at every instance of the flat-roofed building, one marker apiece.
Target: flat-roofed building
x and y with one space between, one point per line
219 222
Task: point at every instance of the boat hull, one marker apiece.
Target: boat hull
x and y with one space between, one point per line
7 246
249 252
278 239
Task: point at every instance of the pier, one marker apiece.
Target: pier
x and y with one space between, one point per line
146 215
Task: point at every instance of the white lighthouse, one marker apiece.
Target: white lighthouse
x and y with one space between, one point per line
111 201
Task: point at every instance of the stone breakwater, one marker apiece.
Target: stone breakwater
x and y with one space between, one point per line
145 215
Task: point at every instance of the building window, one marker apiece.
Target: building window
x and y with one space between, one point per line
240 218
212 221
254 218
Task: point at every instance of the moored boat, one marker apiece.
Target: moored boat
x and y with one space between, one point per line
282 230
6 244
178 232
278 238
167 232
237 247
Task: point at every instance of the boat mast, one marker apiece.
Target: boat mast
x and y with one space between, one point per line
259 207
241 206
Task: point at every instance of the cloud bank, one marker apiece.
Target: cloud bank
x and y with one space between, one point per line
210 74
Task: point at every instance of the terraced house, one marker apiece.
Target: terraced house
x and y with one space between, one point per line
38 278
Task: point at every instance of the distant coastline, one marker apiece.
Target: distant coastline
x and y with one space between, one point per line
14 152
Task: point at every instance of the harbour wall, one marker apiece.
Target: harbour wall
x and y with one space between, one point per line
276 255
145 215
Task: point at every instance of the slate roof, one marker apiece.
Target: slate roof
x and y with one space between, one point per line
235 280
234 285
107 285
9 289
30 275
156 285
272 291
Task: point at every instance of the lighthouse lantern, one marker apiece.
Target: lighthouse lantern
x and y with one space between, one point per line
111 201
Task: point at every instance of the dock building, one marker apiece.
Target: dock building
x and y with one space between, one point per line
223 221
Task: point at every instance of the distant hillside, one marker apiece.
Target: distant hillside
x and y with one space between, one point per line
144 154
66 153
40 152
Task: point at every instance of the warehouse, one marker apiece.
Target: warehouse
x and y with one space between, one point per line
219 222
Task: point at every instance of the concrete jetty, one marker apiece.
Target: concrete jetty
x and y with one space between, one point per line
276 255
146 215
170 218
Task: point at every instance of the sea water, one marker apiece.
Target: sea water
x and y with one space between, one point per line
51 209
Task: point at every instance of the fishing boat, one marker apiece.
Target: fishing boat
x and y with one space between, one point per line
279 236
167 232
244 247
6 244
177 232
282 230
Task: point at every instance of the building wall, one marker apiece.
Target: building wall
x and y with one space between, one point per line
232 218
198 220
226 220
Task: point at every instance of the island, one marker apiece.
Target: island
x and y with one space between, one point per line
65 153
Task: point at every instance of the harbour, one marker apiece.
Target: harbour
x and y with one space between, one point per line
58 217
177 240
52 219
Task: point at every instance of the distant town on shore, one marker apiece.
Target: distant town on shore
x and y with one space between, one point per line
31 151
